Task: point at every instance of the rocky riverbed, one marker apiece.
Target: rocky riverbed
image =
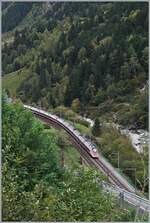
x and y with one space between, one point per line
139 138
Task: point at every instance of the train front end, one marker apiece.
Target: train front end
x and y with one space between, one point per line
94 153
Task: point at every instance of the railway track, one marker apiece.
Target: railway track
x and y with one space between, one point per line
100 163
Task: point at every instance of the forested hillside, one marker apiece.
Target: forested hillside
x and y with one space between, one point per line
74 59
96 53
35 187
16 11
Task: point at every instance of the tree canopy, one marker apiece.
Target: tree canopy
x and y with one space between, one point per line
34 185
96 52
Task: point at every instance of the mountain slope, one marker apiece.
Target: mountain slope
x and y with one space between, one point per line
94 52
15 11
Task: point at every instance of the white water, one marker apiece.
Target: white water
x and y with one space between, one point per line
90 121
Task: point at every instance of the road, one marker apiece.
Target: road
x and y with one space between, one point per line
119 183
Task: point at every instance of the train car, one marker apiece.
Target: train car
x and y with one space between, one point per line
93 152
90 148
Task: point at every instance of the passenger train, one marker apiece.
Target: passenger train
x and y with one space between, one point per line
86 144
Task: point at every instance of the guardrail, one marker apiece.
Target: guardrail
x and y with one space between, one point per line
125 196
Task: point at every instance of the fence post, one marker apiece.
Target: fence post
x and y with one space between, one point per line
137 211
81 160
121 195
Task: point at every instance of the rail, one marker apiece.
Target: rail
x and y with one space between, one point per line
126 196
121 187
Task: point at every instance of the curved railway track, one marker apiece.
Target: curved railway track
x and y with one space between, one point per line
100 163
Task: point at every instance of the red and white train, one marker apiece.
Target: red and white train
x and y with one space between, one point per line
58 122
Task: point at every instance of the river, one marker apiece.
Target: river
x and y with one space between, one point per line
139 138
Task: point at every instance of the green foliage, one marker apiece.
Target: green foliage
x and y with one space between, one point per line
13 80
35 188
69 115
82 128
137 114
72 157
96 127
82 55
97 54
75 106
92 63
29 156
82 199
111 142
15 11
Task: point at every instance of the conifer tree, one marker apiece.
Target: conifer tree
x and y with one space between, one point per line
96 127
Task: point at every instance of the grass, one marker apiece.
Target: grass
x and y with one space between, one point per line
71 157
82 128
13 80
